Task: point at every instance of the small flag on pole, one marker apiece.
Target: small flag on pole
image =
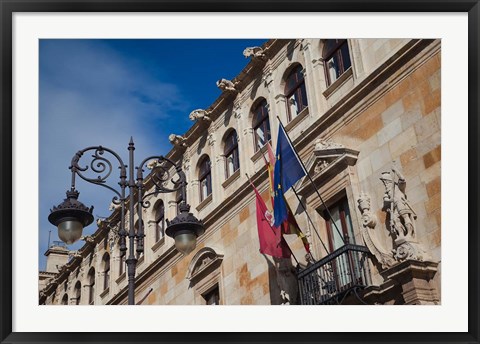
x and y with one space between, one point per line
288 170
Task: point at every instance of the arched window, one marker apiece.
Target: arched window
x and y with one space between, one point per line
295 92
78 292
337 59
205 178
91 286
65 299
106 270
232 162
261 124
159 221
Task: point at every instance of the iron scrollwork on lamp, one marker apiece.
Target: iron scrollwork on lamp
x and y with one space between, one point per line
71 216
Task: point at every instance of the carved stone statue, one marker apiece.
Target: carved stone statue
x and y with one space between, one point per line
369 222
177 140
400 218
200 114
226 85
254 53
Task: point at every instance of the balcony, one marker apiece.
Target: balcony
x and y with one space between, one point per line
334 278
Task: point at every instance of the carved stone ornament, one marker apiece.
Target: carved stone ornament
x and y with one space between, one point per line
88 238
237 111
112 238
177 140
401 218
226 85
203 263
211 139
255 53
200 115
267 78
74 254
113 206
321 144
369 222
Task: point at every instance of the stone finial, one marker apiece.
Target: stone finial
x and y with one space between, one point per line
200 114
255 53
177 140
226 85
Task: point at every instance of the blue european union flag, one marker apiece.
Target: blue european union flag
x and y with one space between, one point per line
287 171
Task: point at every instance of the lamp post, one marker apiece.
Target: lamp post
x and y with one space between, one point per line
71 215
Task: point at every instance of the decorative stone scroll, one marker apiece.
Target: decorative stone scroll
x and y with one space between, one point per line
401 218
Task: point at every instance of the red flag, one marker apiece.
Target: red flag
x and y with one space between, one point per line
271 241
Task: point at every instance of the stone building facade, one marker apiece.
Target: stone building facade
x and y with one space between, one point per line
364 116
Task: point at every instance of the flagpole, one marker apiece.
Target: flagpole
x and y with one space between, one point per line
311 180
273 230
310 220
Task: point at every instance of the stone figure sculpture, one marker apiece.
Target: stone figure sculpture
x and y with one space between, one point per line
369 222
199 114
254 53
400 218
226 85
177 140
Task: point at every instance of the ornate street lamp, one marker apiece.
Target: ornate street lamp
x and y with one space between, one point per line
71 215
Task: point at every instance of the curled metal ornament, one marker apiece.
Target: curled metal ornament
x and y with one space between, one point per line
163 172
100 166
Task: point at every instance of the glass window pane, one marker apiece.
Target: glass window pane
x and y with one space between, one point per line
345 57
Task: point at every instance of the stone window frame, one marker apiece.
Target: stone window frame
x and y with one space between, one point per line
106 270
204 274
298 88
91 286
336 179
263 121
78 292
205 175
232 151
335 50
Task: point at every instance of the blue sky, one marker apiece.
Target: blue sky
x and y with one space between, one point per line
101 92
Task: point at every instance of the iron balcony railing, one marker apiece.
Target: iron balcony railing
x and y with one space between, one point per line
329 280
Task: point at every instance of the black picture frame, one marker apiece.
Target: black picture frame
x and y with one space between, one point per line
9 7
